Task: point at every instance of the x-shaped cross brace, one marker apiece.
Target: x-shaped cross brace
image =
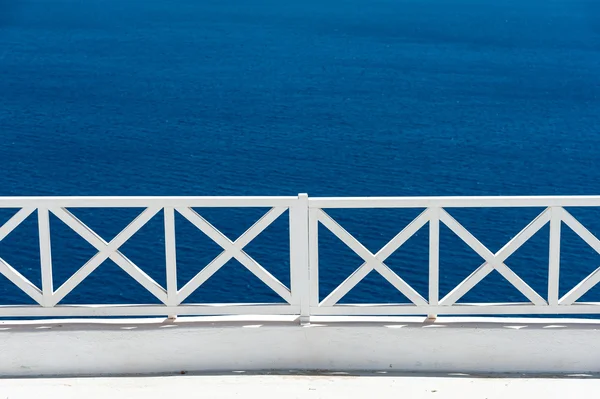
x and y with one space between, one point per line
373 261
233 249
107 250
494 261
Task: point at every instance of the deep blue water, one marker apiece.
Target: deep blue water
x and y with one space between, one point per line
329 97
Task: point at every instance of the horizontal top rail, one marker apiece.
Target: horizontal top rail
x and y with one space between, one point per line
287 201
142 202
454 202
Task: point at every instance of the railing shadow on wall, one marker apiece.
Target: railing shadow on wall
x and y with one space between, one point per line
302 297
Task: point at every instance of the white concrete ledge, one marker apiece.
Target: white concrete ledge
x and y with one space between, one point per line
209 344
277 387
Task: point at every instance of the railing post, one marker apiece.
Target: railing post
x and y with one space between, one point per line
554 256
313 256
171 258
434 258
45 256
299 257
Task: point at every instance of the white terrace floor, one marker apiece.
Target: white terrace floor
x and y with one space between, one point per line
300 386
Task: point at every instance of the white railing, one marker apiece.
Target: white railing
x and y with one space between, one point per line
302 297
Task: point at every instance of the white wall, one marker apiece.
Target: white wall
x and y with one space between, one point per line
228 344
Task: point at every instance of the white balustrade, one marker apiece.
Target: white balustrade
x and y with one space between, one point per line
302 298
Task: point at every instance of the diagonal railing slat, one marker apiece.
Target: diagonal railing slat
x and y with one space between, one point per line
107 250
483 270
261 224
204 274
467 284
10 272
140 276
344 236
373 261
594 278
21 282
581 231
403 236
581 289
350 282
303 296
234 250
265 276
400 284
15 221
486 254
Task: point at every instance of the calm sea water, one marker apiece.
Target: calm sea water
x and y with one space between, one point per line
329 97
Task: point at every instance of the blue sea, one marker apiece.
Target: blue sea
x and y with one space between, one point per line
328 97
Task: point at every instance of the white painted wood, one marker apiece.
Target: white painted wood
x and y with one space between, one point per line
20 281
286 309
580 289
520 284
485 253
371 262
112 250
454 202
139 275
105 249
466 236
150 310
348 202
171 256
581 231
234 249
203 275
45 256
350 282
313 242
109 250
265 276
554 256
146 202
403 236
434 258
400 284
363 270
590 281
299 254
15 221
467 284
459 309
258 227
79 276
486 268
523 236
302 298
344 236
7 270
203 225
